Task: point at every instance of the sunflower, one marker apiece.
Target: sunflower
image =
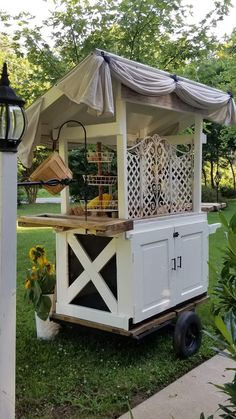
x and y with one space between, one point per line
32 253
50 268
42 261
40 249
34 274
40 280
36 253
27 284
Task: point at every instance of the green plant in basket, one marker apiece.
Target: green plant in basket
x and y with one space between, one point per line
40 282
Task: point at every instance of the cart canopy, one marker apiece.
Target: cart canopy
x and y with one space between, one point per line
89 91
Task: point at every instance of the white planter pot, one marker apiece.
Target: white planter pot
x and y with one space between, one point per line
46 329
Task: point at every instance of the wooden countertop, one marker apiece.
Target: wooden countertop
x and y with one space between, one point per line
102 226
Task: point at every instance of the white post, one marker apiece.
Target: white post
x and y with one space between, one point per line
122 158
65 193
8 205
197 184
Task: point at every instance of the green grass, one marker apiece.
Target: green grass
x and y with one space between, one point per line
38 209
83 374
43 193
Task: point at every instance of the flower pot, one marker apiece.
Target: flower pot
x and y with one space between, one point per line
46 329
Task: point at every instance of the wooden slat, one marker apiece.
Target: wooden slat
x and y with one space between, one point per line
139 329
77 285
192 305
86 323
170 102
98 225
152 323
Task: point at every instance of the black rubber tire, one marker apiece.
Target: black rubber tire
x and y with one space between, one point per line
187 334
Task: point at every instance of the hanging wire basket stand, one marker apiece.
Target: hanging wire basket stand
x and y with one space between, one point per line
103 206
100 156
101 180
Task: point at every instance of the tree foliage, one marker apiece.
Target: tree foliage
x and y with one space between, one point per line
23 74
218 70
40 154
155 32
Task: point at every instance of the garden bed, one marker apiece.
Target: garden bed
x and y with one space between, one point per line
213 207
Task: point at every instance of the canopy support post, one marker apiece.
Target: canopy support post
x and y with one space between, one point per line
122 157
197 183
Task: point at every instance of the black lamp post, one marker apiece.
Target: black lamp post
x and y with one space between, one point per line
217 182
218 174
12 116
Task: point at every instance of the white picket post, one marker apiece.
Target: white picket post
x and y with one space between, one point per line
8 206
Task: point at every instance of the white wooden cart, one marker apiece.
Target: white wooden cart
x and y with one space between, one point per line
140 268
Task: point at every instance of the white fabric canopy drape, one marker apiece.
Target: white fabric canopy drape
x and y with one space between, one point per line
32 135
90 83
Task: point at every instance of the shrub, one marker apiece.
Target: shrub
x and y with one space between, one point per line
224 292
226 329
228 192
21 196
210 195
225 321
40 154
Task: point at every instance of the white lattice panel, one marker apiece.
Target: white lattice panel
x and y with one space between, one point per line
134 201
160 178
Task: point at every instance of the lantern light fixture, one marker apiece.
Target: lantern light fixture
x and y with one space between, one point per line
12 115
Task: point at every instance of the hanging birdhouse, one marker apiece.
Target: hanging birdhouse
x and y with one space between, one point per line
52 168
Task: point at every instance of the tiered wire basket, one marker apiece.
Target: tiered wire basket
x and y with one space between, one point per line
100 156
104 202
103 206
101 180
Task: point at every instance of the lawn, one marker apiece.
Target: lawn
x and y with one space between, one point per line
43 193
83 374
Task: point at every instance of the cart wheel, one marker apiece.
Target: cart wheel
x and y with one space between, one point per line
187 334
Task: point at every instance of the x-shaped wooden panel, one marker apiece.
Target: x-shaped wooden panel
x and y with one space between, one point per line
91 272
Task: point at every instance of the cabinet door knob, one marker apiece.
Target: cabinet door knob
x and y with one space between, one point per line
176 234
179 262
173 264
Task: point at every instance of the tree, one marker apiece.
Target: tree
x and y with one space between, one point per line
40 154
228 148
218 70
22 73
213 150
23 79
154 32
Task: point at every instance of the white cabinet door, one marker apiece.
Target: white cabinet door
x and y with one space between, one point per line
191 252
153 254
